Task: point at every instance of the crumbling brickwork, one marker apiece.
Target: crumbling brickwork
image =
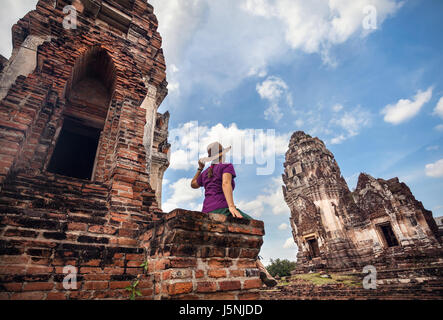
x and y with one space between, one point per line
196 256
380 223
78 118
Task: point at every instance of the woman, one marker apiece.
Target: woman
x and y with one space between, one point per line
218 181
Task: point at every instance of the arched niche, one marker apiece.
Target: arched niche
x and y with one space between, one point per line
87 94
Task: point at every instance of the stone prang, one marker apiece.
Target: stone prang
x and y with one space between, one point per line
335 229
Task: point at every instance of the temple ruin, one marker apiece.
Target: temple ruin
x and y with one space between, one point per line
83 151
380 223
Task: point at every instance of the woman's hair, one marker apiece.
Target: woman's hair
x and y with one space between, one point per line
220 159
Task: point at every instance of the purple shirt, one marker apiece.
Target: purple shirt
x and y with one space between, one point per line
214 196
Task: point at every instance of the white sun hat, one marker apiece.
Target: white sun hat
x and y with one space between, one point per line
214 152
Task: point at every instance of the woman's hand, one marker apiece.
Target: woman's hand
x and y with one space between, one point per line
233 210
194 183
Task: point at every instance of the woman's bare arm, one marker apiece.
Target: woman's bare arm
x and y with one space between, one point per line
194 183
227 191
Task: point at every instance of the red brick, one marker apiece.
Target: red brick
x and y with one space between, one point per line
76 226
38 286
236 273
138 257
217 273
180 288
220 263
39 270
133 263
96 277
249 253
207 286
252 284
95 285
13 260
92 263
102 230
15 270
146 294
127 242
28 296
56 296
199 274
246 263
13 286
183 262
166 275
90 270
119 284
145 284
229 285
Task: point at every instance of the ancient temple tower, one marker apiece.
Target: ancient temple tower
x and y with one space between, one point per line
314 187
98 70
338 229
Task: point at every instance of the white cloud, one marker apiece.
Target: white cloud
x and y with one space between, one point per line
339 139
254 208
331 126
189 142
315 26
439 108
435 170
352 123
273 113
283 226
271 198
406 109
439 127
173 87
299 123
337 108
274 90
179 21
258 72
217 44
289 244
183 196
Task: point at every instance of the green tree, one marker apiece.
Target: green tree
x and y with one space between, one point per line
281 268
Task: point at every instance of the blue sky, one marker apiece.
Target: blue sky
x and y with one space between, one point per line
373 95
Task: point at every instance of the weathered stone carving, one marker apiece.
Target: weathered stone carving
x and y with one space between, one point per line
334 228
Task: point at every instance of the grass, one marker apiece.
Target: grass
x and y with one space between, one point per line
335 279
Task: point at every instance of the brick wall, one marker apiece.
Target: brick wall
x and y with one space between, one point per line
190 255
195 256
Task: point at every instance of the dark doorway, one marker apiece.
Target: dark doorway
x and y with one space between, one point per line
313 248
388 234
74 154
